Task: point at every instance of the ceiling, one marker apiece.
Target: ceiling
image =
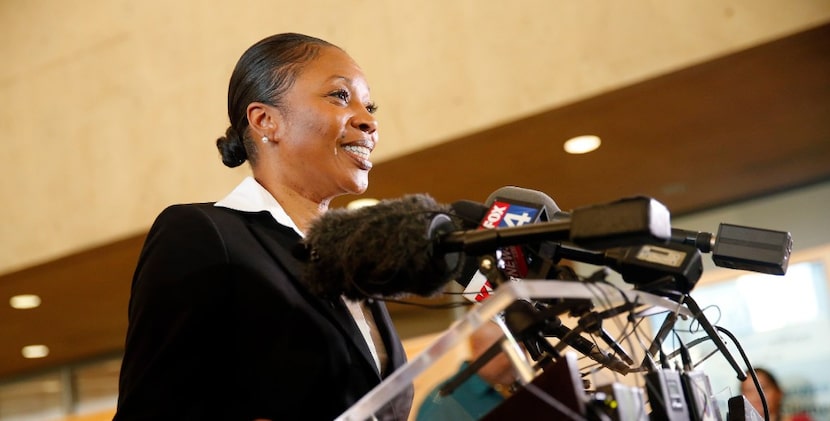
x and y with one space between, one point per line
738 127
729 129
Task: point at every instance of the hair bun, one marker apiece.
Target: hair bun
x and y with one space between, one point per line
231 148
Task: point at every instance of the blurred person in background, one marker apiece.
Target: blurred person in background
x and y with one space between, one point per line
773 393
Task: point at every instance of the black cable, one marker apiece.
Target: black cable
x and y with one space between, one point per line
749 370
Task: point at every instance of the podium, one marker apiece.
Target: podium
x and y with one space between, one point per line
605 296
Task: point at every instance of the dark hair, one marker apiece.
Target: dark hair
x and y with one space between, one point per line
770 377
264 73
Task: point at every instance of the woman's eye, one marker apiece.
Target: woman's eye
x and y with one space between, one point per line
344 96
341 94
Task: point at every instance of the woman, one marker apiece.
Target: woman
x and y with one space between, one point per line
772 392
220 326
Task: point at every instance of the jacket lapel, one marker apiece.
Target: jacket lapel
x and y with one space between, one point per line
278 241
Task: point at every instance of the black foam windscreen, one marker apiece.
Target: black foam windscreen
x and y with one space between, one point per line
385 250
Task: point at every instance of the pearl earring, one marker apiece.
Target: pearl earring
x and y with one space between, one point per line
264 139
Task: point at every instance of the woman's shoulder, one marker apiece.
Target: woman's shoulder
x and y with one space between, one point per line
201 207
191 210
189 216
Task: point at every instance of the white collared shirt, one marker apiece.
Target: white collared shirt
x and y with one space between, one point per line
250 196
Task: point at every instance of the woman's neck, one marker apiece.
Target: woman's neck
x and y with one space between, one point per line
298 206
302 212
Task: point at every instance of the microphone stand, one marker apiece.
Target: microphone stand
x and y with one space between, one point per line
532 326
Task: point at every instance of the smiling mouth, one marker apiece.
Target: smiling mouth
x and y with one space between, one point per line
361 154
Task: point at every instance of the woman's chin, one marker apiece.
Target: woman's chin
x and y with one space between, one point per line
356 185
361 182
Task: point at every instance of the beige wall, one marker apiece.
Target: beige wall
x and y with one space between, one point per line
110 108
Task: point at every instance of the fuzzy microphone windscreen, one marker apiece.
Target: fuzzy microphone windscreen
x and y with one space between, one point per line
385 250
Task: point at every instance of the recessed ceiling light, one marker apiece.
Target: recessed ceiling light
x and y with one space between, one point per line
361 203
35 351
24 301
582 144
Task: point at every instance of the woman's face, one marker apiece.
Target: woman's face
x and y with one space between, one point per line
771 392
328 129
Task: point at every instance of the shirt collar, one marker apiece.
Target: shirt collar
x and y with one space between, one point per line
250 196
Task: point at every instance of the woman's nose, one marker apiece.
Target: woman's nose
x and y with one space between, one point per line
365 122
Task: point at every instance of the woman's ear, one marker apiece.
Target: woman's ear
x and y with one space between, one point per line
264 120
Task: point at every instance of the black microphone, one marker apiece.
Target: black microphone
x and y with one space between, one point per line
642 265
587 347
469 213
744 248
735 247
385 250
527 321
624 222
414 245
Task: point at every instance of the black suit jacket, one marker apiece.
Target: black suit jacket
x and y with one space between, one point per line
220 328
